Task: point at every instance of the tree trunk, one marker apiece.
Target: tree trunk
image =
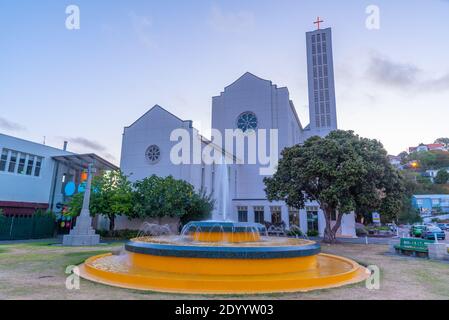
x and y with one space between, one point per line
329 233
337 223
111 224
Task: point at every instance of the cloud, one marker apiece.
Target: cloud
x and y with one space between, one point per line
10 126
403 76
142 28
231 21
90 144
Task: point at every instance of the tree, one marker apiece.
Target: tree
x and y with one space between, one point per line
200 207
444 141
111 196
442 177
342 172
158 197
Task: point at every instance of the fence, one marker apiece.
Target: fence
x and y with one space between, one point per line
23 228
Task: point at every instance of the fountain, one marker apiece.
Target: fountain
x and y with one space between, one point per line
220 257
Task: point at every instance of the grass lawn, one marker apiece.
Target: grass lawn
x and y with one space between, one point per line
37 271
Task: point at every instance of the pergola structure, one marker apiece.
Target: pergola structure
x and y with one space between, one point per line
82 161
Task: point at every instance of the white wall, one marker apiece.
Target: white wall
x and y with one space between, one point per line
23 188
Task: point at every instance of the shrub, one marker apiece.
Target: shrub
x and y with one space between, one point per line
313 233
295 232
361 232
118 234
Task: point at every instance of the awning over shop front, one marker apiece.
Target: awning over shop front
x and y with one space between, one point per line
81 161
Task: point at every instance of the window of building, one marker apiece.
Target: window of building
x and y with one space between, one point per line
318 37
420 202
327 95
324 37
213 178
316 96
203 177
326 83
293 217
313 49
317 121
30 165
328 118
276 216
313 39
328 107
243 214
314 60
326 73
321 95
435 202
37 169
324 47
247 121
317 109
22 159
259 214
312 219
322 107
323 120
315 72
319 48
3 159
320 60
315 83
320 72
12 162
324 58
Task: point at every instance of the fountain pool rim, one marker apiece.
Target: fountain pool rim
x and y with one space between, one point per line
225 252
225 226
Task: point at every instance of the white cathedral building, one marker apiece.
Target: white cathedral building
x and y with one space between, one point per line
249 104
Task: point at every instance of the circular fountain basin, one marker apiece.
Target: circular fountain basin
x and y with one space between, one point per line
185 265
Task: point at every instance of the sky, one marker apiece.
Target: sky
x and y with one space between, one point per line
86 85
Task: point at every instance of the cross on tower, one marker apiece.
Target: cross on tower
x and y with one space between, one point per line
317 22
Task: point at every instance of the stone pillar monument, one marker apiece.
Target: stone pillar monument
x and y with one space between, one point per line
83 234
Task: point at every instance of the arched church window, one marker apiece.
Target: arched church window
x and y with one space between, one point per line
247 121
153 154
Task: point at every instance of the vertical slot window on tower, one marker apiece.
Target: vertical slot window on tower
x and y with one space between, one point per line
324 37
313 39
317 121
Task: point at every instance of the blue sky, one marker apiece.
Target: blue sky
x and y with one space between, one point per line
86 85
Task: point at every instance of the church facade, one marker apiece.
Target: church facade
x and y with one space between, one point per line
253 120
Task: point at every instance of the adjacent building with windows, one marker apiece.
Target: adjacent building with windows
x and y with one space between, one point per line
431 204
33 176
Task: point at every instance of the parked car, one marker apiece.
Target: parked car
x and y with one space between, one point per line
392 226
430 233
417 230
443 226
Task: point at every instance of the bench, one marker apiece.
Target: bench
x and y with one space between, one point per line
413 246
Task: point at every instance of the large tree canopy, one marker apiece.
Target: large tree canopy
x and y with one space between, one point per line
343 172
159 197
111 196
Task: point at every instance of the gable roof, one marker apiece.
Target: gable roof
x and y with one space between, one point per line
155 107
